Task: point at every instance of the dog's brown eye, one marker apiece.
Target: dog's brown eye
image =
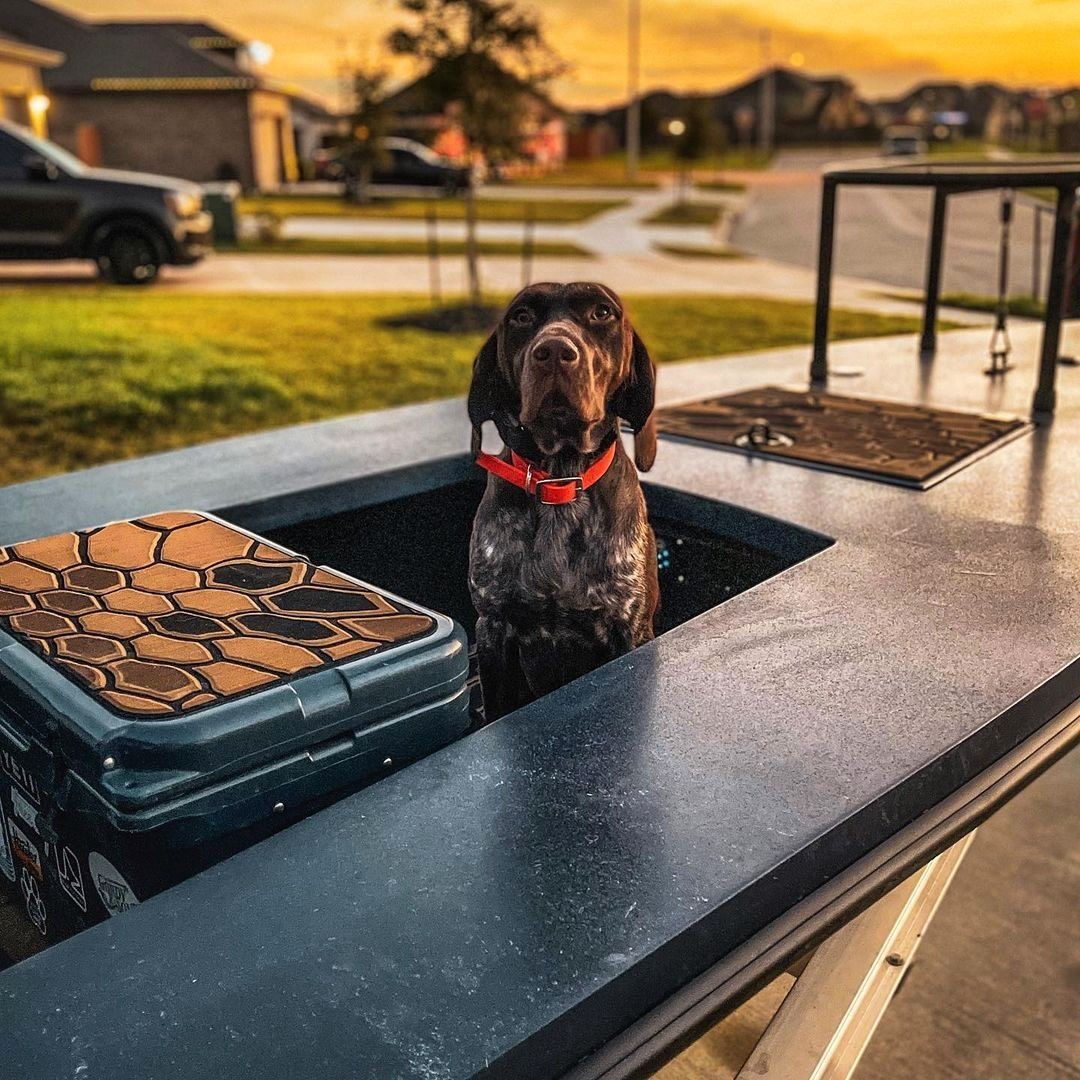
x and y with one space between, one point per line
602 312
521 316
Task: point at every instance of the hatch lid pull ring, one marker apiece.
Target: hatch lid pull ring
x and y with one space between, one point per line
760 436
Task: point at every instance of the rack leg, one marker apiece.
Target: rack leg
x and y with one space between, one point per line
1045 393
819 365
928 342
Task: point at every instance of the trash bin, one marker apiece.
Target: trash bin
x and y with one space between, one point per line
220 199
173 688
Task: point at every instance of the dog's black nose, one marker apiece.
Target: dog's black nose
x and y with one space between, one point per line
556 348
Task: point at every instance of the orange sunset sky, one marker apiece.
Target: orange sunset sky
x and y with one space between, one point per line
883 45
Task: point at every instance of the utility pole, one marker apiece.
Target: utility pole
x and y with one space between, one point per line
767 104
633 78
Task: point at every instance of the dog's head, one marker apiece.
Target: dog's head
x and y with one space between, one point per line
565 365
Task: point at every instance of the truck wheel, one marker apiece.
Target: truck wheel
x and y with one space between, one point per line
129 257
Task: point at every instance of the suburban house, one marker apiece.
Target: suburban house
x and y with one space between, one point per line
1032 119
182 98
425 110
22 93
807 110
951 107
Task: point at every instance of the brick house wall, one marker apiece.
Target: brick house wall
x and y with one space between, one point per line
194 134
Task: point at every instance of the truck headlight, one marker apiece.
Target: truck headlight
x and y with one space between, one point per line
183 204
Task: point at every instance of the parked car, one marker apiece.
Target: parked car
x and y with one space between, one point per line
52 206
902 141
407 164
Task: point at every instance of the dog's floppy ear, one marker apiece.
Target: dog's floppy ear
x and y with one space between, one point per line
489 394
634 402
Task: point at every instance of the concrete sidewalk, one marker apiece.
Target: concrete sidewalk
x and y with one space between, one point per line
653 273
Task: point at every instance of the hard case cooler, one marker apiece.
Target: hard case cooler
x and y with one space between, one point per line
173 688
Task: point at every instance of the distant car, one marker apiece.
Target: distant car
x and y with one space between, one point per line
408 164
52 206
903 142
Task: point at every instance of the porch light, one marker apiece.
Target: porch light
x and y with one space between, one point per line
38 105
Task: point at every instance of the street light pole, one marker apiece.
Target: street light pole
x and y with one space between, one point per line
633 76
767 109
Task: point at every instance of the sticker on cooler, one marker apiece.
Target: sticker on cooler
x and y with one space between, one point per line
35 905
71 878
21 777
24 849
23 809
7 862
116 894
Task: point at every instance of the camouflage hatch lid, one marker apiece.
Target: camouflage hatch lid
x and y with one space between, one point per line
164 615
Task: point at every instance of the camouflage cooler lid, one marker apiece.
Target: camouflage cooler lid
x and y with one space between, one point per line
164 615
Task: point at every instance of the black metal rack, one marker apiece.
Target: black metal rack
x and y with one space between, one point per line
945 179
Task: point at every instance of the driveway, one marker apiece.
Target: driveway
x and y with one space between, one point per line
882 232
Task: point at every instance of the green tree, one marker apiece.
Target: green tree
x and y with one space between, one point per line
490 57
369 121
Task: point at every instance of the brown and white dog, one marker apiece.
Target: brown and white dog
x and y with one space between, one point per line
562 562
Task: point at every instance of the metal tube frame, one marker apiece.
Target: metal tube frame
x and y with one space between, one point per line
819 366
928 342
1045 394
1042 407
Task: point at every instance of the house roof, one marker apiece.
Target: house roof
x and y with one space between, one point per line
187 28
14 48
798 97
117 56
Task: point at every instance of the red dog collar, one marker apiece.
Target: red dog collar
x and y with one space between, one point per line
548 489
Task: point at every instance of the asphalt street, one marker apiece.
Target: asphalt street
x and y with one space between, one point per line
882 232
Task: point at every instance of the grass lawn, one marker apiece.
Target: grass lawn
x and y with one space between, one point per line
719 185
687 213
960 149
734 158
610 170
493 209
91 375
689 251
330 246
1024 306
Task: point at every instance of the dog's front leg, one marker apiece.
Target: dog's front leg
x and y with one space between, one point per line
501 679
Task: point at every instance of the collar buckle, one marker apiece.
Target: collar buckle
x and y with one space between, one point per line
577 481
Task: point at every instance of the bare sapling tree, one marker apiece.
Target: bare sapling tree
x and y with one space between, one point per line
370 117
491 60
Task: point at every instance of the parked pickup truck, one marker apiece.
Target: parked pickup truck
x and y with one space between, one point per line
52 206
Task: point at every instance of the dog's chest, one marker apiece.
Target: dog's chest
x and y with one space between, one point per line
567 557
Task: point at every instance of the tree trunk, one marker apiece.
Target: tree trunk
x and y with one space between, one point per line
472 260
358 184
